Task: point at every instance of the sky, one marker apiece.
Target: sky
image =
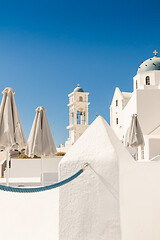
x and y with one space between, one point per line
47 47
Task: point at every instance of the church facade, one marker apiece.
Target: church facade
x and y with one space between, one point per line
143 101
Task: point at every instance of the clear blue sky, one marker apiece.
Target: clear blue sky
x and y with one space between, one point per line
47 47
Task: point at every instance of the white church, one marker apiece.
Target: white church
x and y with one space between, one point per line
143 101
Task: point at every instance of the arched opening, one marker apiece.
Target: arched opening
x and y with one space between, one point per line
147 80
78 117
80 99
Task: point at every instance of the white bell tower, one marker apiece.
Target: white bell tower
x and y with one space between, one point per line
78 113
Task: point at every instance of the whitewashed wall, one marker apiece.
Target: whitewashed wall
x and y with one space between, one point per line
140 200
153 147
29 216
32 167
130 109
148 109
25 168
146 104
141 79
117 112
89 205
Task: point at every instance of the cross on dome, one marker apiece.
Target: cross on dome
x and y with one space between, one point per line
155 52
78 89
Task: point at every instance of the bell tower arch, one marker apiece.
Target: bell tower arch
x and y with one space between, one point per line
78 113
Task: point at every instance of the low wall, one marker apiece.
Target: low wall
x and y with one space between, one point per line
29 216
32 167
25 168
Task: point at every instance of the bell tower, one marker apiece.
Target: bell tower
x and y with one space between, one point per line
78 113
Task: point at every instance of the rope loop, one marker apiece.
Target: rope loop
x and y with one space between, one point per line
45 188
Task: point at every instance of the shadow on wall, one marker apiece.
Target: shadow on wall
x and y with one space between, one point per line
108 186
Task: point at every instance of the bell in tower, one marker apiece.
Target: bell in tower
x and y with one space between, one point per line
78 113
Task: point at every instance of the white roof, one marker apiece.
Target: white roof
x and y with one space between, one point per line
97 143
122 95
91 201
127 94
155 131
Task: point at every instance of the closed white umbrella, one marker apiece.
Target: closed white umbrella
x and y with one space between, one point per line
40 141
11 131
134 135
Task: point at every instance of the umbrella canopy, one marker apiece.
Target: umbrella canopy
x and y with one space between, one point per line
40 141
134 136
11 131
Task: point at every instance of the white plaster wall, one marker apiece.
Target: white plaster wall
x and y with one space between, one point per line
71 135
32 167
148 109
83 94
29 216
130 109
75 130
117 112
25 168
154 147
157 78
89 205
140 198
146 104
141 79
51 164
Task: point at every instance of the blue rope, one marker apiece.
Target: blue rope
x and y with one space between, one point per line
40 189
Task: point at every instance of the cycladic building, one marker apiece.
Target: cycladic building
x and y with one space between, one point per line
145 102
78 116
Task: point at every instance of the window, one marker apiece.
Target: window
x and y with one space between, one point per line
80 99
116 103
136 84
116 120
147 80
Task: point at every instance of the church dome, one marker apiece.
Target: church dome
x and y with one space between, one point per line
150 64
78 89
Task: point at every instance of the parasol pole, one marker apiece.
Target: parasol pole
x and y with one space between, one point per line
7 172
42 177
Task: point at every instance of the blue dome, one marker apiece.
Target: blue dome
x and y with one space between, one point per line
150 65
78 89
